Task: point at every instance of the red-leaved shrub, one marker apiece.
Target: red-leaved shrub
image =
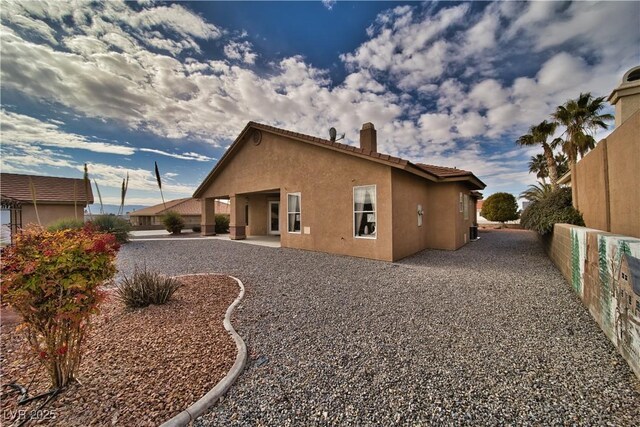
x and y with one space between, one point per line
52 279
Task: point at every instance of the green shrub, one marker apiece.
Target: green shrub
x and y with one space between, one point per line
555 208
500 207
145 288
66 224
114 225
222 223
173 222
52 279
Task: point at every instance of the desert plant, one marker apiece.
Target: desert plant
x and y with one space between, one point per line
222 223
157 171
52 279
539 135
145 288
173 222
66 224
114 225
123 194
99 197
555 208
537 192
500 207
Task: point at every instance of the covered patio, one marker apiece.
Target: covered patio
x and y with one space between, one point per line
253 214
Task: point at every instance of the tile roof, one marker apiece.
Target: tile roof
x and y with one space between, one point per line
49 189
443 172
437 173
186 206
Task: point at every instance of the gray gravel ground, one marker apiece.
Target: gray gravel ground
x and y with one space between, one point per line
488 335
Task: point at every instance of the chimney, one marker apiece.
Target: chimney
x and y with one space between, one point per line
368 138
626 97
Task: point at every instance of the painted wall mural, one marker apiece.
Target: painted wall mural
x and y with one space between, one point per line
605 272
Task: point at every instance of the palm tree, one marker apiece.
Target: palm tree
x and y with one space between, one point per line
538 135
537 192
538 165
562 164
581 118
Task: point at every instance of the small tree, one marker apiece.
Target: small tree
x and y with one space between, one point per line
500 207
173 222
52 279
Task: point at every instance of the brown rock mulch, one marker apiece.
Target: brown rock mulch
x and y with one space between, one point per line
141 366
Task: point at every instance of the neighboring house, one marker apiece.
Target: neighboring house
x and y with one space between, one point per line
324 196
606 183
56 198
188 208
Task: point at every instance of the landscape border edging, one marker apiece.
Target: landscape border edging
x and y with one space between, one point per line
211 397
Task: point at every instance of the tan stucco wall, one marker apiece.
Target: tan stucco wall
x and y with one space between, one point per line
408 192
258 217
591 178
50 213
325 180
627 105
622 164
443 225
623 150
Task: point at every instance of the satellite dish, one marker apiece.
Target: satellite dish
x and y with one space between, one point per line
332 134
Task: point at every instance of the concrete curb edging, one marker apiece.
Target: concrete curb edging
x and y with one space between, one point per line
212 396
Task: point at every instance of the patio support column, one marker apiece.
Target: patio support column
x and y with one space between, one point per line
208 217
237 222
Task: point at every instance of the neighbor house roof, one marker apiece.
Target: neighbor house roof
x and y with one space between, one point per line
49 189
430 172
185 207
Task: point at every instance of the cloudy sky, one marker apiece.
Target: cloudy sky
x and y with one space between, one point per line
121 85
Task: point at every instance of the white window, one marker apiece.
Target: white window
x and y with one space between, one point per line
364 212
466 207
460 203
293 212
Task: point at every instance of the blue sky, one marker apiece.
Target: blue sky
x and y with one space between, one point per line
121 85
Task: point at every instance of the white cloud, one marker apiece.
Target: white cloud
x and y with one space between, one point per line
329 3
183 156
21 130
240 51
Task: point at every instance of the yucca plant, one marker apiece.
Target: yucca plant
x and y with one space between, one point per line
145 288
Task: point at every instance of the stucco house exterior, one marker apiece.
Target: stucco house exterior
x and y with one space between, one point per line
56 198
321 195
151 217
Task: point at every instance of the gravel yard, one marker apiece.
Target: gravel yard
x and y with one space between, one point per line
489 334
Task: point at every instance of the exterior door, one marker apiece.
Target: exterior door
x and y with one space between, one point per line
274 217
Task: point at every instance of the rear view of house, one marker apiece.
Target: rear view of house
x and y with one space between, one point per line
320 195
